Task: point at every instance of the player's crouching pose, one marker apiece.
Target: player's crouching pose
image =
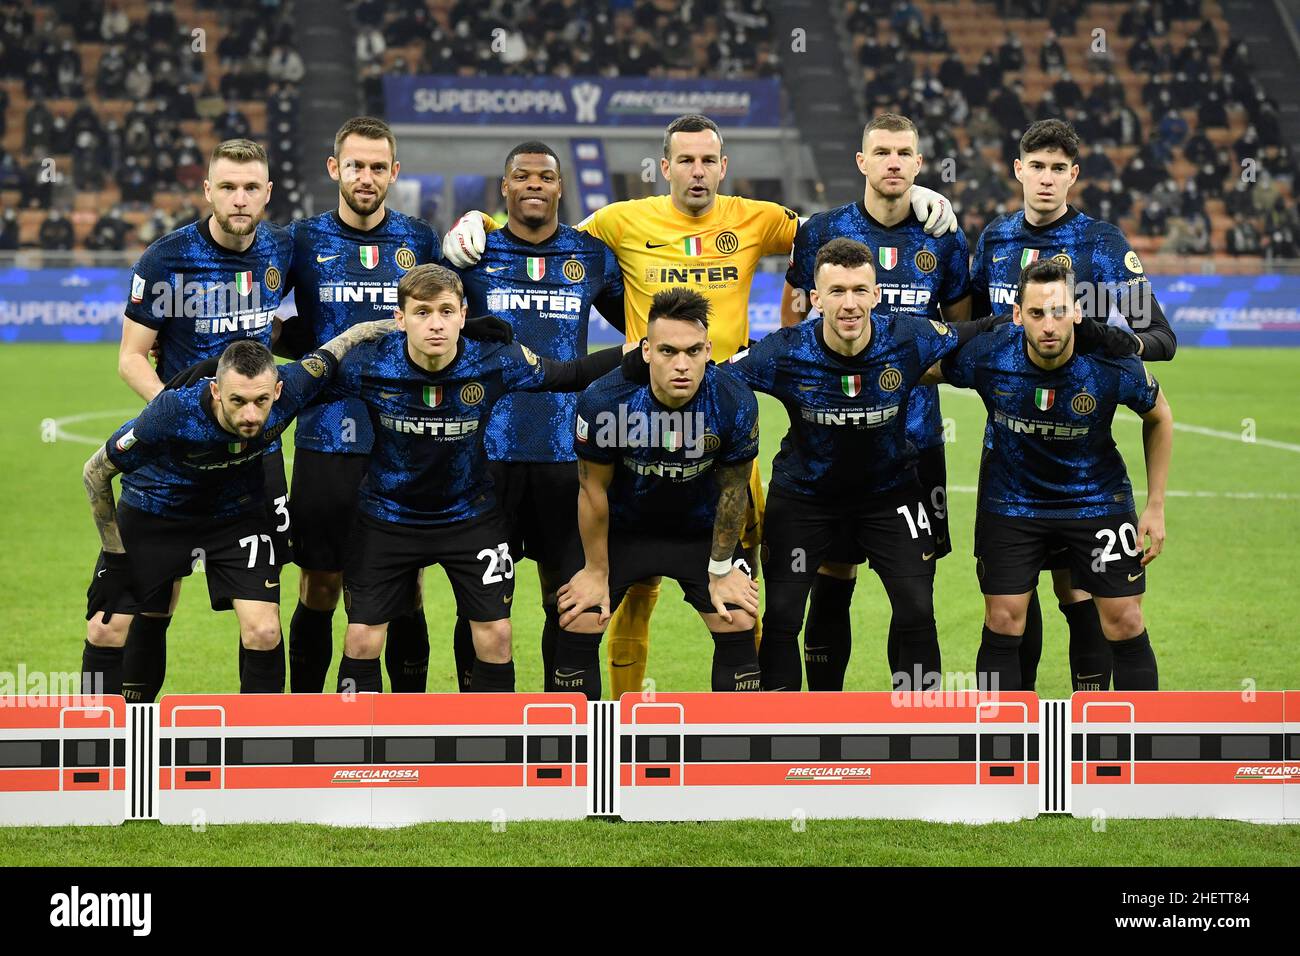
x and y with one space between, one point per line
1053 478
193 489
427 496
663 469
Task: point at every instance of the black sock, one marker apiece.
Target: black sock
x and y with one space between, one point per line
359 675
406 653
997 664
462 648
827 633
101 669
778 659
144 662
311 646
263 671
1090 656
493 678
577 665
1135 664
919 661
550 634
735 662
1031 645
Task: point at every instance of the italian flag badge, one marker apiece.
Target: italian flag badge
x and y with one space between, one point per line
1043 398
235 447
243 282
1027 256
852 385
369 256
887 256
536 267
433 395
692 245
672 440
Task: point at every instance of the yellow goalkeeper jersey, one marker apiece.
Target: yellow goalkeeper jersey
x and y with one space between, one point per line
659 247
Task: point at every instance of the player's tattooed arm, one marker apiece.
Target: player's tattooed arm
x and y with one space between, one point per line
733 501
359 333
97 476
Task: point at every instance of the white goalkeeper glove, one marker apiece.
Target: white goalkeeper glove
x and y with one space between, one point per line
934 210
463 244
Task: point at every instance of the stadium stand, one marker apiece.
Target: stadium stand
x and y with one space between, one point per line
1163 97
108 111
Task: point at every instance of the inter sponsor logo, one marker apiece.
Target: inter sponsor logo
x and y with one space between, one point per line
692 275
895 295
1064 259
674 470
711 442
374 293
472 393
727 243
1083 404
453 428
890 379
271 279
827 774
856 417
1019 426
404 258
925 261
506 300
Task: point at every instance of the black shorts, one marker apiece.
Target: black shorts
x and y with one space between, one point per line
893 532
1103 554
635 556
539 500
932 473
277 505
323 505
238 556
381 577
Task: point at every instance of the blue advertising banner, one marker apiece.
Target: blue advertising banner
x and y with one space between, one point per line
579 100
85 305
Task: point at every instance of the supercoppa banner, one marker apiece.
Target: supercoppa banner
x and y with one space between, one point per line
85 305
579 100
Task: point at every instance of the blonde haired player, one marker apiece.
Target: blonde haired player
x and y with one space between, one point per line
696 238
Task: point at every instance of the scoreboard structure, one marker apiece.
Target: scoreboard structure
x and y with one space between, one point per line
394 760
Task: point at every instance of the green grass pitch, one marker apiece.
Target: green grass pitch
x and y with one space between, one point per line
1221 607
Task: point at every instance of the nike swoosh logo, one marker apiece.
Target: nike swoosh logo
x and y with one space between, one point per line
1134 577
746 676
569 676
389 394
807 388
655 245
101 573
998 391
270 584
507 599
997 259
927 557
494 268
327 258
1082 677
617 664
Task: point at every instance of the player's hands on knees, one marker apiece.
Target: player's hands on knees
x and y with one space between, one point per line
463 244
1152 525
587 589
735 587
109 586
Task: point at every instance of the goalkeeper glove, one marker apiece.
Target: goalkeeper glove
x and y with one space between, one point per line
934 210
463 244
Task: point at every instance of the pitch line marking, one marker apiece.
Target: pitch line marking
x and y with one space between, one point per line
1137 492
